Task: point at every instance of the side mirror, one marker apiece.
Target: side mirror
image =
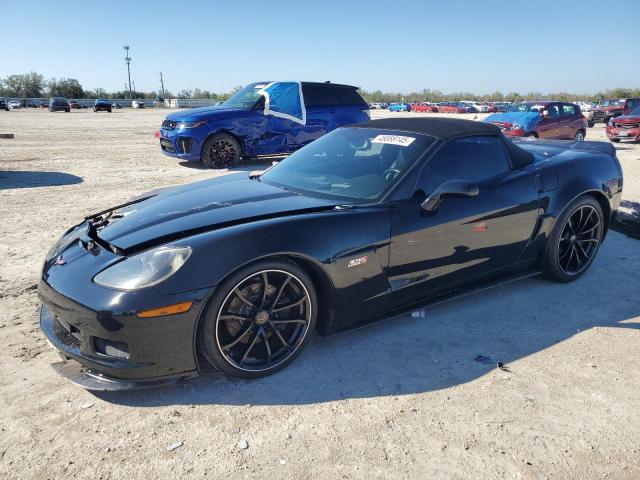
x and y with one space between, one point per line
452 188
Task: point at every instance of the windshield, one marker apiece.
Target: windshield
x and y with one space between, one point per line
613 103
350 163
526 107
635 112
246 98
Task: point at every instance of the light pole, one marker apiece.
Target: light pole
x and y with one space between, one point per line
127 59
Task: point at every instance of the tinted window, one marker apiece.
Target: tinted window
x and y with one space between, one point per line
569 110
347 96
631 104
318 95
472 158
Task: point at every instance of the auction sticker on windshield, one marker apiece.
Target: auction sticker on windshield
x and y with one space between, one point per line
394 140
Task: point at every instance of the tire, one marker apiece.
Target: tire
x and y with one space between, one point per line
615 140
221 150
109 110
67 111
249 334
94 110
565 239
532 135
579 136
591 123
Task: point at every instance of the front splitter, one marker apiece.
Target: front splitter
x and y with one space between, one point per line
85 378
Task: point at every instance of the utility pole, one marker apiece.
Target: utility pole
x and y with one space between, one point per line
127 59
161 85
134 85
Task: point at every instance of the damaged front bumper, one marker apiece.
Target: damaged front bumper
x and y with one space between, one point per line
89 371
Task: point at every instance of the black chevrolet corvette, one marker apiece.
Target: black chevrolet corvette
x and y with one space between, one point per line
239 271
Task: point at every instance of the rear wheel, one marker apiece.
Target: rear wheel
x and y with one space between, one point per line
575 240
221 151
259 320
579 136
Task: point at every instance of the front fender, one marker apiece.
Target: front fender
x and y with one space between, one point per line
327 240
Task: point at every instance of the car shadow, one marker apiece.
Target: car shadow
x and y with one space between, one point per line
10 179
435 347
627 220
244 166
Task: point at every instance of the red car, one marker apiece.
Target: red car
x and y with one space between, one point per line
452 107
424 107
74 104
612 108
625 127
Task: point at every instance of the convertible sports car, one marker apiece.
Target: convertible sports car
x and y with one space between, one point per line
238 271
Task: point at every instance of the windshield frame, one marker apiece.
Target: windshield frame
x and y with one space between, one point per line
251 87
385 194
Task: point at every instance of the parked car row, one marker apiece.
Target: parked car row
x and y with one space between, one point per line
465 106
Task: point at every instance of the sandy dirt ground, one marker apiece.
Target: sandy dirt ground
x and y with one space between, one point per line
406 398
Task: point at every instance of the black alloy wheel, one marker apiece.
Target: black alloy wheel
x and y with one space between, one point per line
575 240
221 151
261 323
579 240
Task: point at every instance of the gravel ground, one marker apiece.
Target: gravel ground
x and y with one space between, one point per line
417 396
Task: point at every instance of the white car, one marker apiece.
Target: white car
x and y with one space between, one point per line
137 104
478 106
584 106
15 105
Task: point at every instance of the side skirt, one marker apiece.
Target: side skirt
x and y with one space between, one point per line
446 297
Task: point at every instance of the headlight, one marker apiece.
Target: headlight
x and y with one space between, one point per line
185 125
145 269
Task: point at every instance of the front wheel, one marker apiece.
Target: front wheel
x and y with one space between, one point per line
259 320
221 151
575 240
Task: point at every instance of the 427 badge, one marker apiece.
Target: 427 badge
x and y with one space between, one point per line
357 261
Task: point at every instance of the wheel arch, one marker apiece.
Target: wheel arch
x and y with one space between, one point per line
228 132
321 281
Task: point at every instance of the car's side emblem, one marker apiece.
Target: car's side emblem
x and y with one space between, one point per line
357 261
60 261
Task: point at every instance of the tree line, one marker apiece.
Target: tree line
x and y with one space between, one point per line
34 85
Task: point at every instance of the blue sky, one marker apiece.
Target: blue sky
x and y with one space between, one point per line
451 45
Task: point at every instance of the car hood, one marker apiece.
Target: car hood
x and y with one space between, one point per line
627 119
177 212
524 119
206 113
609 109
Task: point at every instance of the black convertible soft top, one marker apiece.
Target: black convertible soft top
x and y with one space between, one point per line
447 128
436 127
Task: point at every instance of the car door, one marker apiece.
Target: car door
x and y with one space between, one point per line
549 126
465 236
568 115
271 135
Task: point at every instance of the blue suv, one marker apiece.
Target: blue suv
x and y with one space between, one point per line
264 118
